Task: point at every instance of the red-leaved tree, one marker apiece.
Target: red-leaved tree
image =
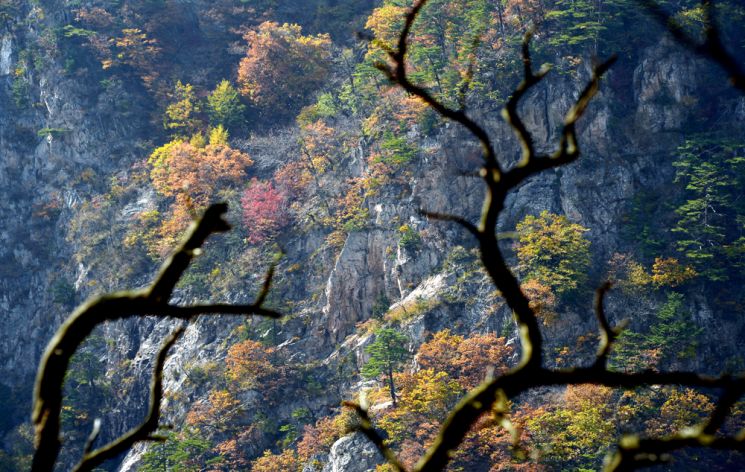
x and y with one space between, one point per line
264 211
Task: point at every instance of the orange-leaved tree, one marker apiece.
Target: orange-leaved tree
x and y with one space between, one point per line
192 172
282 67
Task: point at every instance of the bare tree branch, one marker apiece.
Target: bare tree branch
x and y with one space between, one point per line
634 452
530 373
453 218
93 436
152 300
365 427
712 46
261 298
398 74
723 408
568 150
144 431
174 267
608 335
509 113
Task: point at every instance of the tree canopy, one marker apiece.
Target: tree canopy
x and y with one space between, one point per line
282 67
553 251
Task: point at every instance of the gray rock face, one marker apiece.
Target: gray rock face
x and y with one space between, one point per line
41 179
665 87
353 453
6 49
101 136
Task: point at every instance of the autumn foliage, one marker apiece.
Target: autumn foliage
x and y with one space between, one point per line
282 67
553 251
249 364
181 116
468 360
192 173
576 428
286 460
264 211
449 364
134 50
216 414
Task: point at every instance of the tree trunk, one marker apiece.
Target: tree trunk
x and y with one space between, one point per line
391 386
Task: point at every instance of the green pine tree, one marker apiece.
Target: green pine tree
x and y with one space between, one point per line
387 353
672 336
710 228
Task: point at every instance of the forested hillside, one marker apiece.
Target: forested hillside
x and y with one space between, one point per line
121 122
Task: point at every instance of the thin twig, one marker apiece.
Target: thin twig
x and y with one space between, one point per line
93 436
365 427
453 218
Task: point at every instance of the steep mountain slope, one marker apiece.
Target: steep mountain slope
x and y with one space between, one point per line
85 213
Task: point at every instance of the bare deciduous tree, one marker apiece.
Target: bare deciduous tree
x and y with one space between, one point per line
492 396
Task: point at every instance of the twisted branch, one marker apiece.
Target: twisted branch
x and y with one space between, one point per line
530 373
152 300
608 335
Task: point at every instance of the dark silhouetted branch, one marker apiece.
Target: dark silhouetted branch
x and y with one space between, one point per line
568 150
510 114
635 452
723 408
152 300
452 218
531 373
711 47
144 431
608 335
398 74
365 427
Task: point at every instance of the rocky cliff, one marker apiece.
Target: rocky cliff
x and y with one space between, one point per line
69 133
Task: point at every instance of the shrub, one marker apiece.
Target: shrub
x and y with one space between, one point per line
409 238
224 106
